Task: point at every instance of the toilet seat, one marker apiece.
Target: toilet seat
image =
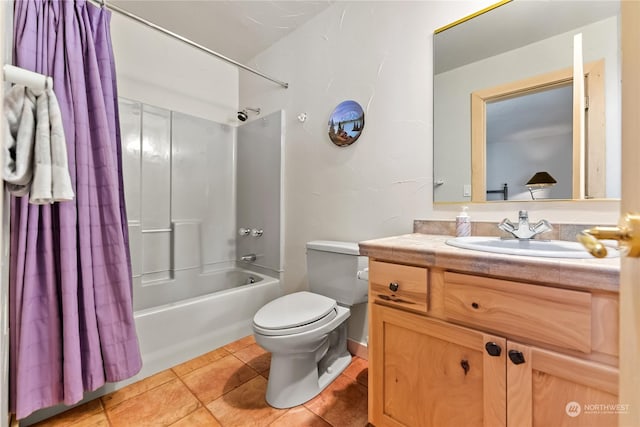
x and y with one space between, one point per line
294 313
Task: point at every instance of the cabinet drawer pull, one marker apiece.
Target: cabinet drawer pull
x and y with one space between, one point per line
393 298
516 357
475 305
393 286
465 366
493 349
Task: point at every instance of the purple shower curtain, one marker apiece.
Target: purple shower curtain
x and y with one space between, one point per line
71 314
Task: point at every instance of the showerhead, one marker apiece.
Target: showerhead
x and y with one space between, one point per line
243 115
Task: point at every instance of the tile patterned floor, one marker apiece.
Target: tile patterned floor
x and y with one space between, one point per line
224 387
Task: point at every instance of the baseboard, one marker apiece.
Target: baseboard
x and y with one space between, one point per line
358 349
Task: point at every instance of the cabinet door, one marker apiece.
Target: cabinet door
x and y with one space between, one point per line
545 388
424 372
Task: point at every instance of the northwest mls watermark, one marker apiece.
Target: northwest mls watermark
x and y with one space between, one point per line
574 409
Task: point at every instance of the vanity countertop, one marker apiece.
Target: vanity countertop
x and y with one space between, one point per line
432 251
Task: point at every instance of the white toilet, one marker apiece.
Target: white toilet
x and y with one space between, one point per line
306 332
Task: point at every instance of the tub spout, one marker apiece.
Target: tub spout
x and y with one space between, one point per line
248 258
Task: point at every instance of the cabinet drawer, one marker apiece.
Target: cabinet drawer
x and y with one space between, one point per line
554 316
400 285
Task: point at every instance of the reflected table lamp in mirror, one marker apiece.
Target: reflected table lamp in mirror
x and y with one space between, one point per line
540 181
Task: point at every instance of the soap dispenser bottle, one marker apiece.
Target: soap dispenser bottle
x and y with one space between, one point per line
463 223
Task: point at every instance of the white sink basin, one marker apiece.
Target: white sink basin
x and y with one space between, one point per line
535 248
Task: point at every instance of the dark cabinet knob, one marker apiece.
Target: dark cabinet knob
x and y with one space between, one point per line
516 357
464 364
393 286
475 305
493 349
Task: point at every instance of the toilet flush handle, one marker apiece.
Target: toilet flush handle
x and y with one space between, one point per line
363 274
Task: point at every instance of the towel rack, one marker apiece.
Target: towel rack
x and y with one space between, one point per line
27 78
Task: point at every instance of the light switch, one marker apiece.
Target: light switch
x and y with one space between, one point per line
466 191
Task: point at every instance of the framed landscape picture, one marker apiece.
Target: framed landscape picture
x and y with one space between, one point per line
346 123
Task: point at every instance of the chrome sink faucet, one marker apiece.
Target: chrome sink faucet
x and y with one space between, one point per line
524 230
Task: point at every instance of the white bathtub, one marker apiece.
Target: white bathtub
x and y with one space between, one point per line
220 311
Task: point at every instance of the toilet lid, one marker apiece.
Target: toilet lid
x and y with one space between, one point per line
294 311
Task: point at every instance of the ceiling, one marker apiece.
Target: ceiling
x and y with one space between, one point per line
236 29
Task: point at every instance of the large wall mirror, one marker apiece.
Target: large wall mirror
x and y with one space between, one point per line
527 103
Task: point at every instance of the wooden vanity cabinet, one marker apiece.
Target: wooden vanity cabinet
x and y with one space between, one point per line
552 389
424 372
478 355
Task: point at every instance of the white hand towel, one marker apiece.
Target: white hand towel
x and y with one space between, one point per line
35 147
51 180
40 193
62 189
19 115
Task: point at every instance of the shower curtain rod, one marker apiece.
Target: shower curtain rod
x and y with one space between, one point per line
103 3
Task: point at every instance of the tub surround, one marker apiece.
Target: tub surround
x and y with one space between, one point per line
495 338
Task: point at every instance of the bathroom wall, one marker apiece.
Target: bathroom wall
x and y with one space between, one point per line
161 71
379 54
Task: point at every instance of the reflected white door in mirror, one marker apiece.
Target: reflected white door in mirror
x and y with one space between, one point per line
524 127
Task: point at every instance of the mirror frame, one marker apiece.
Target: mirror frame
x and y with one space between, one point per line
473 15
585 161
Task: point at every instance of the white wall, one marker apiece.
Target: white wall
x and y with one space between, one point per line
157 70
378 54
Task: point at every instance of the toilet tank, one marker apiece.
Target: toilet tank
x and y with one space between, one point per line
332 268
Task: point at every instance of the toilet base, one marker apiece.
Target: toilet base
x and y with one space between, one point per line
338 366
297 378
